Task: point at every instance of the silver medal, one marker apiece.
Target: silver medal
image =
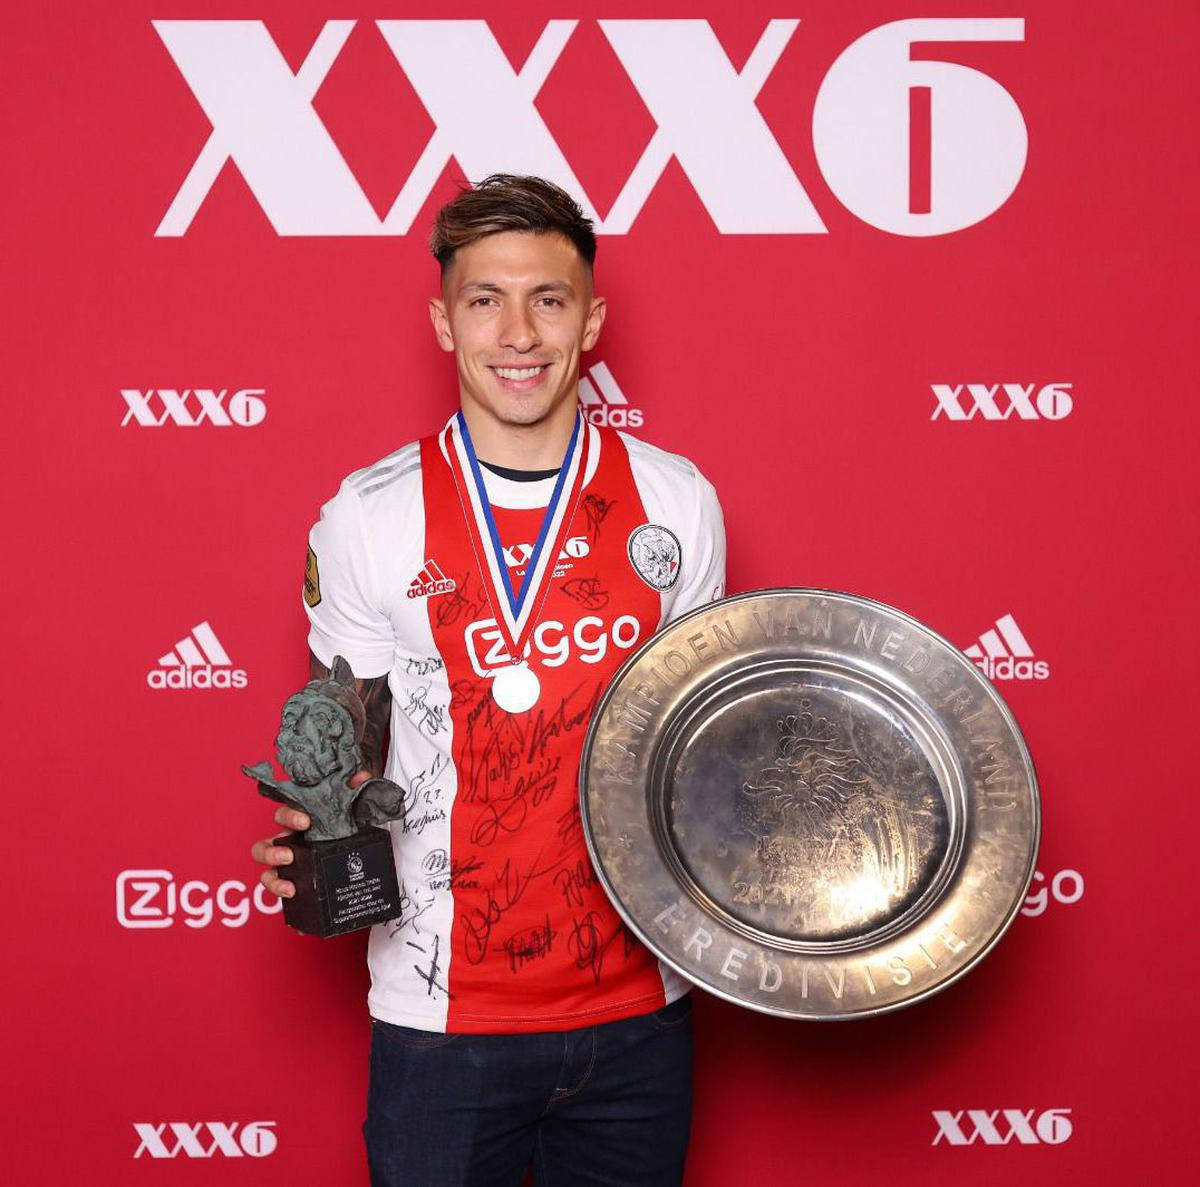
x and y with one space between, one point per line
516 689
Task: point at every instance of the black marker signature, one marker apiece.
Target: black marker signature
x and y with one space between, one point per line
451 607
572 881
588 946
507 812
506 891
423 784
429 975
570 826
418 824
429 719
410 910
465 692
458 875
423 665
596 509
587 591
532 944
490 764
559 722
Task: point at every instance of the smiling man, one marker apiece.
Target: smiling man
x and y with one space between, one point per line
485 583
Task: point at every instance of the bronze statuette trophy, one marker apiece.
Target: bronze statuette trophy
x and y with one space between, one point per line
342 864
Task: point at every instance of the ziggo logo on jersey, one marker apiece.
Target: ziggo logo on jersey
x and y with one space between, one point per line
554 643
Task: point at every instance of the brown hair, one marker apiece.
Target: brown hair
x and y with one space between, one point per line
506 202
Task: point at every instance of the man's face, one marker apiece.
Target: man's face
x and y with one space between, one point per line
517 310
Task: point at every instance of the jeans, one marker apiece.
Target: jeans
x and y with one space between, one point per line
605 1106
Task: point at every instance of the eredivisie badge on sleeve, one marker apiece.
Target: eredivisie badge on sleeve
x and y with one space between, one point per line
515 687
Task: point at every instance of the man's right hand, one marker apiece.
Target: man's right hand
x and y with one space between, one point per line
269 854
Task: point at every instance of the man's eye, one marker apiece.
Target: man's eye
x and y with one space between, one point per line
550 301
483 301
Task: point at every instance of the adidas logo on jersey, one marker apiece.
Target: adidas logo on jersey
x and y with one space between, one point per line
1004 653
197 661
429 581
607 406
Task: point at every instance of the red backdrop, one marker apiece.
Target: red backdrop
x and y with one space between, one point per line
816 249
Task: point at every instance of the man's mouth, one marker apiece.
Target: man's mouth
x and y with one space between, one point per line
519 373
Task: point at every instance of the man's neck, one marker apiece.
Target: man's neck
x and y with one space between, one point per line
540 446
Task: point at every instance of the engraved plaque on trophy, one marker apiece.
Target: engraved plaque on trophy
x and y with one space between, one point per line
342 865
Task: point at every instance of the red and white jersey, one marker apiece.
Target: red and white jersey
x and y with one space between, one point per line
504 926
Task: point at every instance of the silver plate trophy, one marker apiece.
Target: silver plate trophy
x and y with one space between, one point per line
810 804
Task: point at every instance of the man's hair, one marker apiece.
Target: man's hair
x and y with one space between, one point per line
506 202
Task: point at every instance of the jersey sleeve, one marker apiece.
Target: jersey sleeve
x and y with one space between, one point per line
703 577
341 591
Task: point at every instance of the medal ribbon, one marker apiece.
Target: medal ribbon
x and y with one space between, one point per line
516 613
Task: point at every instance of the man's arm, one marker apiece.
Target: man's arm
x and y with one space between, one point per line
343 607
376 698
703 577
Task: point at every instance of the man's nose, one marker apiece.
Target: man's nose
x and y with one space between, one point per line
518 329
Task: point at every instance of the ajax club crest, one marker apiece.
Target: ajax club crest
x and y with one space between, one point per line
655 554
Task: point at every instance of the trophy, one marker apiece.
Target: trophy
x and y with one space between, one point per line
342 865
809 803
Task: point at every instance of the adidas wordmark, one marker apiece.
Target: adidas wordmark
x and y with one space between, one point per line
1003 653
429 581
603 402
197 661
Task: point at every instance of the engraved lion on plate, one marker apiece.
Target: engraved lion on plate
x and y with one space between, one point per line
847 846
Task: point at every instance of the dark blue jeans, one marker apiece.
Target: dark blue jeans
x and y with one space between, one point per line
605 1106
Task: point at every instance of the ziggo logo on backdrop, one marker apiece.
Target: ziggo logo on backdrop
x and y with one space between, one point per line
1065 887
151 898
877 115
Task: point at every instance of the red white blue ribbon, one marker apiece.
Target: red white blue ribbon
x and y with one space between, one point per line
516 611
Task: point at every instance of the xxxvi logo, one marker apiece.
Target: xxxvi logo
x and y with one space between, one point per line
998 401
908 144
256 1139
998 1127
194 406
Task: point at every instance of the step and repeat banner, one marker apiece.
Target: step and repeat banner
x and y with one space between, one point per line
913 286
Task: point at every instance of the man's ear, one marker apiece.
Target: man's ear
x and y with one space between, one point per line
441 323
595 319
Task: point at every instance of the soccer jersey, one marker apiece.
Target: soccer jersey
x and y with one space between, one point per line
503 926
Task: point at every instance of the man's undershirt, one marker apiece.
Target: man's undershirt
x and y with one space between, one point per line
520 475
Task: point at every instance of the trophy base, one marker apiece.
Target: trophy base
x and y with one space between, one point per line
341 885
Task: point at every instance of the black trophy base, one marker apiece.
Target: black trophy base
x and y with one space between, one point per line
341 885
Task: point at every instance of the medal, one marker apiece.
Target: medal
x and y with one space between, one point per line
516 687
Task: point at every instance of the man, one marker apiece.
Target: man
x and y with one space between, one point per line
484 584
